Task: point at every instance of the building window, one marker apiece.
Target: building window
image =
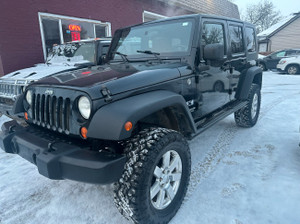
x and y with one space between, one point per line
150 16
236 39
56 29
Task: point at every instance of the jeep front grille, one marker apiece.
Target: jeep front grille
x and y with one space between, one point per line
10 90
52 112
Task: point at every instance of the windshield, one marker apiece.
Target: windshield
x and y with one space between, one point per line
170 38
72 53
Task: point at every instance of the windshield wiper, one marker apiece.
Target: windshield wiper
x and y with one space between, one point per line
84 64
123 56
155 54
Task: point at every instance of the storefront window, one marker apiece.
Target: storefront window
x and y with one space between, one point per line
74 30
51 33
58 29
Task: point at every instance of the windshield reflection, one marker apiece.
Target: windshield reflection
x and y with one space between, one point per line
170 38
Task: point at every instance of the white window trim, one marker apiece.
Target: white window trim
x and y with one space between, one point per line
153 15
59 18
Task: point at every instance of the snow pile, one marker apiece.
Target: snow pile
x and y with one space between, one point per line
239 175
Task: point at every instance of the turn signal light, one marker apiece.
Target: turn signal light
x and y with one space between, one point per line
128 126
26 115
83 132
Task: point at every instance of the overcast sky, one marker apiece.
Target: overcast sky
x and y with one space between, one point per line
285 6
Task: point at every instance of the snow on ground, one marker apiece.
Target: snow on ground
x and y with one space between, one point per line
238 176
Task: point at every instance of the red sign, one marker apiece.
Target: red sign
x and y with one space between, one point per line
75 36
73 27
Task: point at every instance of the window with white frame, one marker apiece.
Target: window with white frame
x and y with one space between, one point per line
150 16
57 29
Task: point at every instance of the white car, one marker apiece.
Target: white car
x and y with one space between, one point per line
65 57
289 65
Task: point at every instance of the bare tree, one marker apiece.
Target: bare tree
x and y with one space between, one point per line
262 14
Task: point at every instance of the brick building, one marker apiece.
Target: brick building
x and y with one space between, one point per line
29 28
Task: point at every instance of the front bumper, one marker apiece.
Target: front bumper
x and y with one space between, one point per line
280 67
58 158
6 109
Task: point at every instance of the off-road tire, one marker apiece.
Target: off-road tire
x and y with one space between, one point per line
292 69
144 152
243 117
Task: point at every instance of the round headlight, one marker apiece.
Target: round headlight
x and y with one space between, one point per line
29 97
84 106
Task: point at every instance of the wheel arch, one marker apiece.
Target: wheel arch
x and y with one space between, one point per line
140 109
249 76
291 64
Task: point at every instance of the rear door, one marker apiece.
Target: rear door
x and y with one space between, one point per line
237 54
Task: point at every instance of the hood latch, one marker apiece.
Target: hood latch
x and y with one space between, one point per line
106 93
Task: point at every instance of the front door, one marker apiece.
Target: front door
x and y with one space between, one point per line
214 80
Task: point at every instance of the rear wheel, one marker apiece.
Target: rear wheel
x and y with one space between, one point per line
218 86
292 69
155 178
262 66
248 115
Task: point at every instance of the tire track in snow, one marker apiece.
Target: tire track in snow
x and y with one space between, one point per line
204 168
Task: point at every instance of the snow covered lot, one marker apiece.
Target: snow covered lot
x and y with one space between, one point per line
238 176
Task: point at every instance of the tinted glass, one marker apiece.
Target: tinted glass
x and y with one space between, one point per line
250 39
100 31
212 34
236 39
51 33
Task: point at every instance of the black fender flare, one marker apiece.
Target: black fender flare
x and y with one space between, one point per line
249 76
108 122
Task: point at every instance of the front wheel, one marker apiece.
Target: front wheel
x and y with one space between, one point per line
155 178
248 115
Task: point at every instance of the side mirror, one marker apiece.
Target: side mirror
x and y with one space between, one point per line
213 52
102 60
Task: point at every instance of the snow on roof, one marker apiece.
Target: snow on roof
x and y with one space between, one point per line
276 26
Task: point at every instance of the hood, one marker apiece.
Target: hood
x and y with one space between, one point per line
37 72
116 77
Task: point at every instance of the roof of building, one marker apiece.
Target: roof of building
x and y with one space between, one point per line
278 26
216 7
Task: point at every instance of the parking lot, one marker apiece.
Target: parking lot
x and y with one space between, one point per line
238 175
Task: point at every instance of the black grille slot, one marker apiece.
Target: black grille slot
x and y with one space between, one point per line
51 112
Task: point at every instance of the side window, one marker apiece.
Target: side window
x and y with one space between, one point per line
213 33
236 39
250 39
280 54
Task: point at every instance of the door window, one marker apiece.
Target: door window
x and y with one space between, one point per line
213 33
250 39
236 39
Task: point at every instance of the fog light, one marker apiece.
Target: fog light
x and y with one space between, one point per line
83 132
128 126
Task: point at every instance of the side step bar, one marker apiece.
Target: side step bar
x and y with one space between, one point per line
216 116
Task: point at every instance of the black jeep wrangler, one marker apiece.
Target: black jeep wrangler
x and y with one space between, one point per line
127 122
